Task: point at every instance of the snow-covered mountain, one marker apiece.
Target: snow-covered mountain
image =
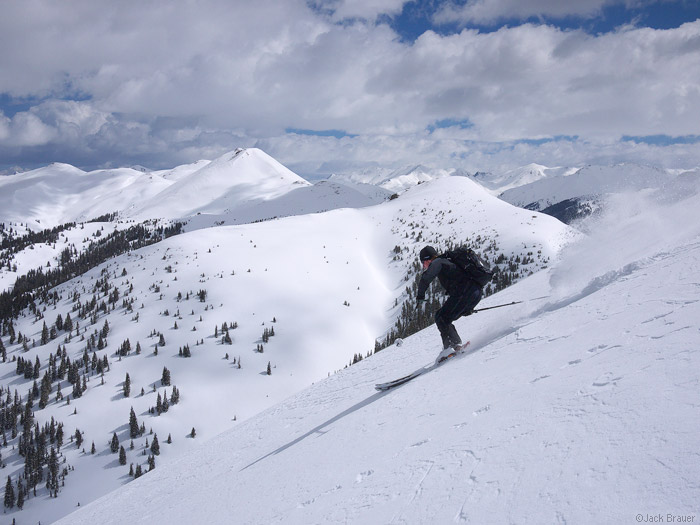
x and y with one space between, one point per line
585 182
398 180
327 284
60 193
500 182
240 177
241 186
579 405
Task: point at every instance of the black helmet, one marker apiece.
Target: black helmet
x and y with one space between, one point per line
427 253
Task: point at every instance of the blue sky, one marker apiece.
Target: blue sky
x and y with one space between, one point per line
417 17
350 84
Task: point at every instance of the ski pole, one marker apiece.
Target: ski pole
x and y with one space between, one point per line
497 306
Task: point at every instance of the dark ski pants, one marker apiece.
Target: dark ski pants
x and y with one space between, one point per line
455 307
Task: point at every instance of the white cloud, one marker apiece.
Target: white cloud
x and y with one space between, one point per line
321 156
491 11
26 129
164 81
4 127
366 9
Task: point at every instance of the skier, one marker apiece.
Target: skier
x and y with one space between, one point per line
464 294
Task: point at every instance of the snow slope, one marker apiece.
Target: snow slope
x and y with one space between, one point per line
328 283
501 182
576 408
60 193
238 188
587 181
241 186
242 176
305 199
398 180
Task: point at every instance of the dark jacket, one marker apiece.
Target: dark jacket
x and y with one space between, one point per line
453 279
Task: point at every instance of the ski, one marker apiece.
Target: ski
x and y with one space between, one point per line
422 370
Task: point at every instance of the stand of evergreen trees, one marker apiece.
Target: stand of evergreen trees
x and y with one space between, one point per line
36 283
13 244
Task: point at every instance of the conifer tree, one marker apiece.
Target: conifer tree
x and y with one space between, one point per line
59 435
122 455
166 405
155 446
127 387
165 378
9 494
68 323
44 334
133 424
114 445
52 476
45 391
175 396
20 494
269 369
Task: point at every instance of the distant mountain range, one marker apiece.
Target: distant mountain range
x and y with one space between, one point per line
248 185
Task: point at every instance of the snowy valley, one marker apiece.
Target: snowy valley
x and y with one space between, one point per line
253 291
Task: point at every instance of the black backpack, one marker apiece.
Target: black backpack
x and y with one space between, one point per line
467 260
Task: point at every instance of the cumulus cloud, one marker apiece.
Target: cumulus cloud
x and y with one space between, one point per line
161 83
27 129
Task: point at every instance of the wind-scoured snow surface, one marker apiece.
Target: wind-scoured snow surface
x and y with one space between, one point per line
578 406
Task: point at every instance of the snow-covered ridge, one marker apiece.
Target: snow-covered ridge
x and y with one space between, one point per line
501 182
587 181
242 176
398 180
228 189
328 283
577 407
